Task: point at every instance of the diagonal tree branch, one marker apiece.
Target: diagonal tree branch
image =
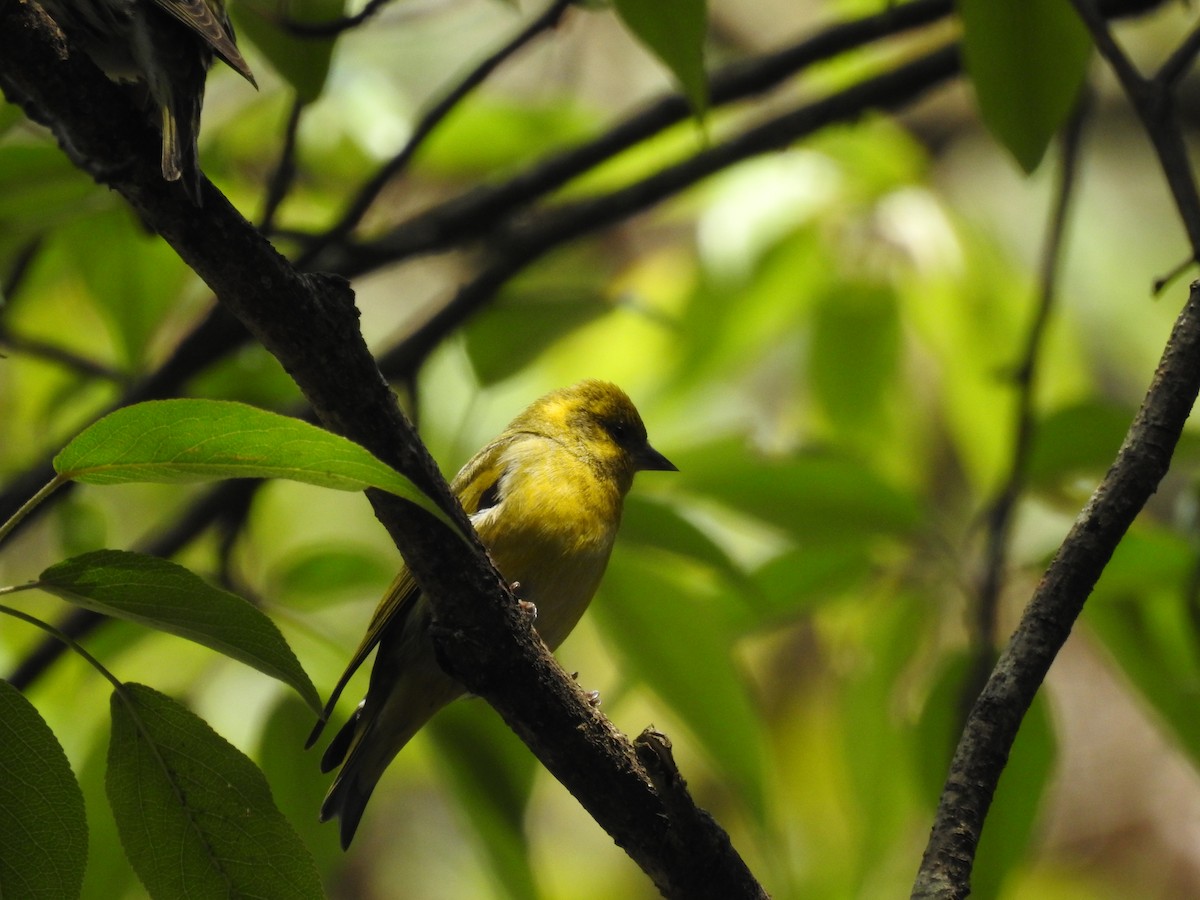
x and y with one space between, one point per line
1141 464
310 324
219 334
1047 621
481 210
998 517
433 117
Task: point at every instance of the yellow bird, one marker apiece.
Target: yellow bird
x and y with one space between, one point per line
545 498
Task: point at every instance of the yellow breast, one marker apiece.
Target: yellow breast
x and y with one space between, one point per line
552 531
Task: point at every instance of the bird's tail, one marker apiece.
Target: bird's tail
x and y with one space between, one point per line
364 748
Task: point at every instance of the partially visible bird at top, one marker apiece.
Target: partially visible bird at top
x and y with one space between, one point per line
167 47
546 499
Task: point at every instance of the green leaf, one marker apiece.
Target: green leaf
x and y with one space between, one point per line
491 773
39 188
674 31
166 596
855 352
1077 440
1027 60
492 134
539 318
800 579
325 574
174 441
1149 561
1152 634
134 278
676 635
893 630
1013 817
43 832
293 776
654 524
195 815
302 60
823 497
109 875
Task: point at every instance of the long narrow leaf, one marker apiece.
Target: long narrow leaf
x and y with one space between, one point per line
166 596
174 441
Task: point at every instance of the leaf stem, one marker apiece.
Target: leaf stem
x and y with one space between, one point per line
117 684
29 505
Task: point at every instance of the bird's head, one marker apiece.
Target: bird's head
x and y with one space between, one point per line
600 424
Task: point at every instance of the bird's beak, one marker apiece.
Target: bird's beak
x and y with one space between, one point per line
650 460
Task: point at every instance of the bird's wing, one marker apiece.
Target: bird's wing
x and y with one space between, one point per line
213 27
394 607
477 487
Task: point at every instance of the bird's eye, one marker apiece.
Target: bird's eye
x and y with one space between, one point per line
618 429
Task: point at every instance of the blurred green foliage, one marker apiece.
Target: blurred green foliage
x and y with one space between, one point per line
823 340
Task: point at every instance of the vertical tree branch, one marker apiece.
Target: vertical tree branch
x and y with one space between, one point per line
1141 464
999 515
992 725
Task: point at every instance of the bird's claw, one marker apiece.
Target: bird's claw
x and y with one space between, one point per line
593 697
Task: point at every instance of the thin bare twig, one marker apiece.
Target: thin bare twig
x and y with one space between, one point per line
336 26
281 180
477 213
1154 103
999 515
992 726
433 117
1179 61
219 334
1140 465
212 506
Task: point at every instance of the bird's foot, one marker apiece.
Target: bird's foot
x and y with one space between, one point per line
593 697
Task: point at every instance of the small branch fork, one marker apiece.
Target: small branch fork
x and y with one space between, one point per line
1140 465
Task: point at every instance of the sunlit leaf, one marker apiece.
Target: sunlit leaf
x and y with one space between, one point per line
134 278
855 352
491 773
817 496
325 573
491 134
800 579
164 595
173 441
195 815
650 523
677 639
43 833
508 335
1027 60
